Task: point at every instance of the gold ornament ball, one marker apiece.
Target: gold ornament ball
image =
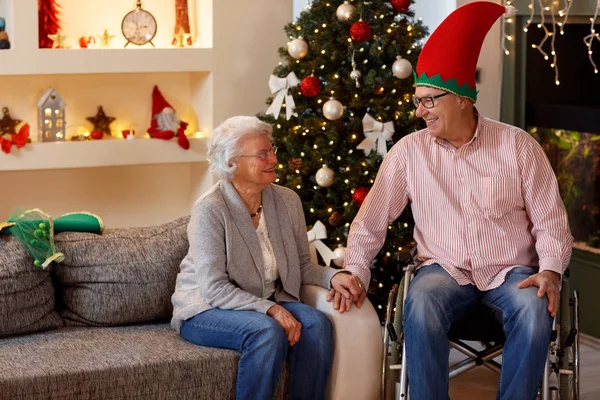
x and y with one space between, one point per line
333 109
324 176
339 255
298 48
344 12
401 68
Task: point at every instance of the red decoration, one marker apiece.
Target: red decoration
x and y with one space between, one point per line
97 135
48 22
360 31
85 41
165 123
310 86
18 139
401 5
360 194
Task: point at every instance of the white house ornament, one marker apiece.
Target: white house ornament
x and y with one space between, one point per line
324 176
298 48
280 88
376 135
401 68
333 109
344 12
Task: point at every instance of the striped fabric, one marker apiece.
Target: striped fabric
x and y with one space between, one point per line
479 210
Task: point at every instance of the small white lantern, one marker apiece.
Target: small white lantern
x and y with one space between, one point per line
51 117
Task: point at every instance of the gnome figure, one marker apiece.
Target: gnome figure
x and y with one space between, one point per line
165 122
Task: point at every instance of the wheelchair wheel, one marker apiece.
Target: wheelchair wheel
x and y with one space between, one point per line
568 344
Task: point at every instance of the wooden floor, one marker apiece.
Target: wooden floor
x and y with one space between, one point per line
481 383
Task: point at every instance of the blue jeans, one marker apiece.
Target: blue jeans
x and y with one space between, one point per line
264 347
435 301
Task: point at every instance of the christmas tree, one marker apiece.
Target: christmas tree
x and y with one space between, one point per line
341 98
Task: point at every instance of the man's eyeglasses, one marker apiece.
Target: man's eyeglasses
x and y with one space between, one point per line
427 102
263 154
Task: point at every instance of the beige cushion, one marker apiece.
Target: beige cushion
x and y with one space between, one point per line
26 292
124 276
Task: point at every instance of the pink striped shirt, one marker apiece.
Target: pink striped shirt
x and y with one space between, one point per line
479 210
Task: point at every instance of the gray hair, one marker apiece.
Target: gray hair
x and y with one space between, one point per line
223 145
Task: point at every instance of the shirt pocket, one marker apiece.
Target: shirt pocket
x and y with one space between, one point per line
496 196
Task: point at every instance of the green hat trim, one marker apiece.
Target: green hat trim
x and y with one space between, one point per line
450 85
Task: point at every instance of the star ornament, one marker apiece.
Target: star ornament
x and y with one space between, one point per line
59 40
101 121
7 124
105 39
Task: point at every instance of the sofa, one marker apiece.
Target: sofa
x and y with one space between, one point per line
96 326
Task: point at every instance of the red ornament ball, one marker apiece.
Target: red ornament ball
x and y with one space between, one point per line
360 31
310 86
401 5
360 194
97 135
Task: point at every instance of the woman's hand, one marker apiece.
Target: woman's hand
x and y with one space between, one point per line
287 321
347 289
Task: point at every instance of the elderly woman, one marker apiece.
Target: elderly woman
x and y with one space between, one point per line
239 284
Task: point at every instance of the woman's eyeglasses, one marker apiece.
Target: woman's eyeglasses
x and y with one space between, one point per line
263 154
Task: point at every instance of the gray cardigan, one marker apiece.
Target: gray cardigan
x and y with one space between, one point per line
224 265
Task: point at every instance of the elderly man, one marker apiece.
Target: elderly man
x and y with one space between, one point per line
489 221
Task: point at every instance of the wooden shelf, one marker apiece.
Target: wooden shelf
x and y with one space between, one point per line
89 61
101 153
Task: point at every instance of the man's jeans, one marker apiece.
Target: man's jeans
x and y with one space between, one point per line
264 347
435 301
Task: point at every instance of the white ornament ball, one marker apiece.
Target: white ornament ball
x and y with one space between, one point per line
298 48
339 255
401 68
344 12
355 74
324 176
333 109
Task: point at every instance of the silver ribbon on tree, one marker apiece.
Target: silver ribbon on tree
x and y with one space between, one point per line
376 134
280 88
315 235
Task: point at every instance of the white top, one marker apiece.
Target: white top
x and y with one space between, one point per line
269 261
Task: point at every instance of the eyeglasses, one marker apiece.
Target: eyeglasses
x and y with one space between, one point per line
263 154
427 102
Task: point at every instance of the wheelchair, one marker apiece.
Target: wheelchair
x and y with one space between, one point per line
563 349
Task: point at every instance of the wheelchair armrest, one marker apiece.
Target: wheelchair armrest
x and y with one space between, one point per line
358 347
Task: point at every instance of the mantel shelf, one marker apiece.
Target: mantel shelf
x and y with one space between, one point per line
18 61
101 153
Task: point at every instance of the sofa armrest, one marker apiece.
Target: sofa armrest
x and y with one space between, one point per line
358 347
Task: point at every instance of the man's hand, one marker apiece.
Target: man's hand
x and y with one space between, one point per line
290 325
548 283
347 289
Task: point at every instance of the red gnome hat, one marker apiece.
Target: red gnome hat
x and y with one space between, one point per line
448 60
159 104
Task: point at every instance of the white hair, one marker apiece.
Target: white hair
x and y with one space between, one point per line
223 145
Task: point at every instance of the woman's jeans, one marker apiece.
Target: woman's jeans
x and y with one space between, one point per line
435 301
264 347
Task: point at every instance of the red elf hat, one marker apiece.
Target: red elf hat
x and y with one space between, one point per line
449 57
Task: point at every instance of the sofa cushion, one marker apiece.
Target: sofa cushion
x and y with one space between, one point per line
26 292
124 276
145 361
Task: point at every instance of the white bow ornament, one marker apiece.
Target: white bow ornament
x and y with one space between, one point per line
376 134
315 235
280 87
